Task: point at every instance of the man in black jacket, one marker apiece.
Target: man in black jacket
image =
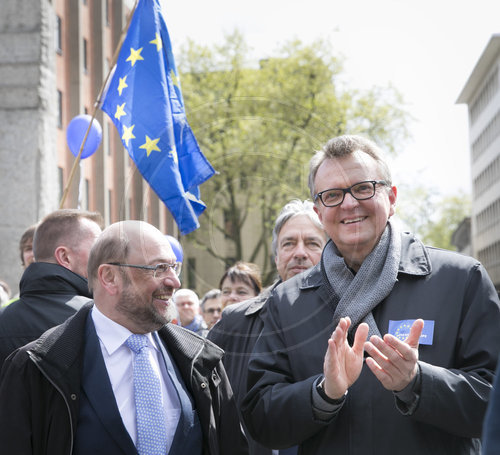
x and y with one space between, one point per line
55 286
298 240
421 382
76 390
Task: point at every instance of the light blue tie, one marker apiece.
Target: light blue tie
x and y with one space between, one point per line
150 415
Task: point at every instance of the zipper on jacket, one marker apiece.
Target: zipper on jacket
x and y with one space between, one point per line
34 360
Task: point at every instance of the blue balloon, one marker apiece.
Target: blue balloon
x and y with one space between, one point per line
176 246
76 132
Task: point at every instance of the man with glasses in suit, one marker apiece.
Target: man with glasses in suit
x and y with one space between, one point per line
117 377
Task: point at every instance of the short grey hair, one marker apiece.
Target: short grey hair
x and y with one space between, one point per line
292 209
342 146
212 294
186 293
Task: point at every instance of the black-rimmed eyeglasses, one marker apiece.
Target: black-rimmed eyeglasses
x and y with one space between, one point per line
360 191
213 310
159 270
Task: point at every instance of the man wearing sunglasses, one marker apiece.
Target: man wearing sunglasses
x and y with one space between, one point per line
117 378
420 383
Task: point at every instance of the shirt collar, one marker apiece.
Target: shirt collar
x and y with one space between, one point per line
111 334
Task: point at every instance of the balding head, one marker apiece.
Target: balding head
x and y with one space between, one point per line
118 241
132 275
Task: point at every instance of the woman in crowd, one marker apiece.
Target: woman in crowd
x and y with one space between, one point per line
240 282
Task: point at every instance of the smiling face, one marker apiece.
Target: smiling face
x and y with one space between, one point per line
354 226
145 302
235 291
299 246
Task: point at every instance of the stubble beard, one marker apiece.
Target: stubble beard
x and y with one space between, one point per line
143 313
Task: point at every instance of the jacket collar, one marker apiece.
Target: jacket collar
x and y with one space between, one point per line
186 348
258 302
43 277
414 261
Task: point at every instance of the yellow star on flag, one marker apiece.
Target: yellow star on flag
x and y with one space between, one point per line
157 41
120 112
127 133
122 84
134 56
174 78
150 145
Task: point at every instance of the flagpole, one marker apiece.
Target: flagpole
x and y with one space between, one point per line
96 105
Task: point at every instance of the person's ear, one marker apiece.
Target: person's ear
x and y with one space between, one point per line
109 278
318 212
393 195
62 256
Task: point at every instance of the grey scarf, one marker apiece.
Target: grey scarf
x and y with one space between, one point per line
357 295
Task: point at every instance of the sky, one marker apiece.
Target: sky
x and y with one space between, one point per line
426 50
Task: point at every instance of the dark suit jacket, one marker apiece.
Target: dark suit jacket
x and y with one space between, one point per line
100 428
45 394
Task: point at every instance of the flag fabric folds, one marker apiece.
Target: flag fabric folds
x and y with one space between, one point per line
144 101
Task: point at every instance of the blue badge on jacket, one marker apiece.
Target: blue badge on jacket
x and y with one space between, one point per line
401 330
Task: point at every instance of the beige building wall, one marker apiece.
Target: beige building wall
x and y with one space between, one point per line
482 96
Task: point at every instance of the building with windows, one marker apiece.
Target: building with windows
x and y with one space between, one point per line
481 93
54 58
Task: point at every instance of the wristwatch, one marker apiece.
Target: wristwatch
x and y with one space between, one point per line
320 388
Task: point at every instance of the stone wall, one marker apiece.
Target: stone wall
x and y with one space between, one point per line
29 185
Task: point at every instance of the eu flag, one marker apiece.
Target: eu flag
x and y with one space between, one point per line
144 101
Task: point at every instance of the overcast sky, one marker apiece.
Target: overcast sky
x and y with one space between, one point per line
426 49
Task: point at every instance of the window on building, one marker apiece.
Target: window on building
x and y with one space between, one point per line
58 35
110 207
87 194
108 137
229 226
107 11
85 57
191 273
60 178
59 109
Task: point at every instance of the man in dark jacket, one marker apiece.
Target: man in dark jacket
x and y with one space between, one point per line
55 286
432 316
298 240
491 435
76 390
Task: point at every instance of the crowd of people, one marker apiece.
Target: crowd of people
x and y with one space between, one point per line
367 342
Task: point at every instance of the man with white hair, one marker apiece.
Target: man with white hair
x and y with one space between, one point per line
298 240
188 308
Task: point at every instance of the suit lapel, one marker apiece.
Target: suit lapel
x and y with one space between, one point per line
187 415
97 388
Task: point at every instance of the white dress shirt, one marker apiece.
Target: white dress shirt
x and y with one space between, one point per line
119 359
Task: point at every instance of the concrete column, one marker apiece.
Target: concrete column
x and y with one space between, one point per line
28 122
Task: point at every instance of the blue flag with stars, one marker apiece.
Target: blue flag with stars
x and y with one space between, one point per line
144 101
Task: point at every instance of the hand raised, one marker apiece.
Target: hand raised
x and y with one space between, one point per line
392 361
343 363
